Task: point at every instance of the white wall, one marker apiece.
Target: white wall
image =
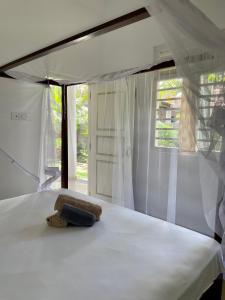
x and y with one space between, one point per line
214 10
19 138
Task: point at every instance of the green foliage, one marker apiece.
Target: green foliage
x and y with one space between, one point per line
82 110
165 134
214 77
56 105
82 171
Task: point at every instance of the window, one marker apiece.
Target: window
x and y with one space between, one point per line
212 94
168 108
175 124
173 119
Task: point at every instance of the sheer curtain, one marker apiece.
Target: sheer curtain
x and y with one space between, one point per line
166 168
50 149
122 189
198 48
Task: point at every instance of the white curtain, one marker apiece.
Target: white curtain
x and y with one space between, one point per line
72 131
122 189
49 159
198 48
166 165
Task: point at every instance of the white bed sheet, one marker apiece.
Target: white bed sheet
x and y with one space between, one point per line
125 256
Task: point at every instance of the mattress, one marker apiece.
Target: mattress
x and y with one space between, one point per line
125 256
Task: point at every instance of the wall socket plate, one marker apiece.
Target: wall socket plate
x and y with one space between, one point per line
20 116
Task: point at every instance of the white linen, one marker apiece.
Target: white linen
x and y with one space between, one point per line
127 255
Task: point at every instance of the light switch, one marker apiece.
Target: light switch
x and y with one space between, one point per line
20 116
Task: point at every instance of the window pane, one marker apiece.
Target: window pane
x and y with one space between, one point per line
166 143
169 93
212 77
165 133
212 90
168 104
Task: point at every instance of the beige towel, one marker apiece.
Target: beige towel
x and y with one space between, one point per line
90 207
56 221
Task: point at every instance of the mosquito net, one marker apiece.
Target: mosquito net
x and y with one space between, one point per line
156 139
30 126
197 46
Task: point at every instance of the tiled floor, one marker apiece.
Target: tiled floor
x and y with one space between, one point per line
79 186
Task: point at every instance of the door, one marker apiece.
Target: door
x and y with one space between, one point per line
111 113
102 137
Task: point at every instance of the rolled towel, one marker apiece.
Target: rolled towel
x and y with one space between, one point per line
77 216
56 221
89 207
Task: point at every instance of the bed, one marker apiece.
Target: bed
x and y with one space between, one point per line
125 256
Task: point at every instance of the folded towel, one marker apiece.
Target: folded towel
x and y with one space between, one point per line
77 216
89 207
56 221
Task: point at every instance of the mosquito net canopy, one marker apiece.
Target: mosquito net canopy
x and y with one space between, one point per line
157 138
113 54
198 49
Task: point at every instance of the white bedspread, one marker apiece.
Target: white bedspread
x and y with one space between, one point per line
125 256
